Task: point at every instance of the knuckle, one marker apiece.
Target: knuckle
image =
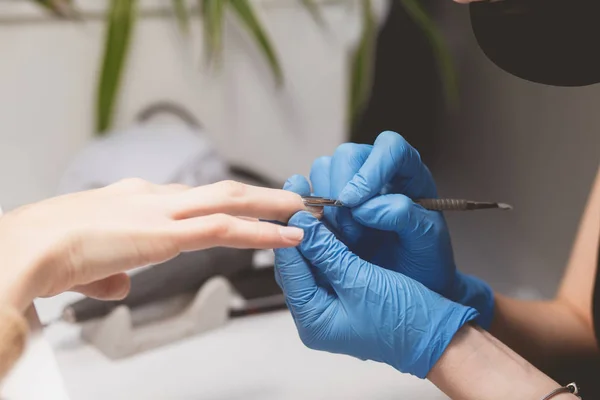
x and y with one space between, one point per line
392 138
232 188
221 226
261 234
404 154
400 146
403 204
177 187
403 212
134 184
394 141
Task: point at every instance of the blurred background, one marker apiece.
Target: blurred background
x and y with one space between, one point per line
194 91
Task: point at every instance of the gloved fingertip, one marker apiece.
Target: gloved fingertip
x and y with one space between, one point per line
297 184
323 163
350 196
390 138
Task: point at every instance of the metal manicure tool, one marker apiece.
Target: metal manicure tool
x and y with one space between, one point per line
314 201
429 204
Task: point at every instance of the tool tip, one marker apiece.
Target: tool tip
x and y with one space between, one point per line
504 206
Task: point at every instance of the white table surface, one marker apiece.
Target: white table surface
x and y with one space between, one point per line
37 374
258 357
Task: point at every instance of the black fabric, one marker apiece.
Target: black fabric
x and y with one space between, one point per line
407 94
553 42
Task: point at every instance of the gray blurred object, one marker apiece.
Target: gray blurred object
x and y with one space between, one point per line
159 152
184 274
126 332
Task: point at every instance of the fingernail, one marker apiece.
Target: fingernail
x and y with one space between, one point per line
317 212
291 233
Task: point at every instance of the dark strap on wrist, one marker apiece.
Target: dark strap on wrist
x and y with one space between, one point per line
570 388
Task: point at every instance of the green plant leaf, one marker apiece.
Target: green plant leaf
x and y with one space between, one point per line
442 54
312 7
60 8
182 15
213 17
362 65
248 17
121 19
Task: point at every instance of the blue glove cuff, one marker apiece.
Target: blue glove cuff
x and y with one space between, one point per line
447 329
473 292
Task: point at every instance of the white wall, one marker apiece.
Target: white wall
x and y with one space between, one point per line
535 146
47 88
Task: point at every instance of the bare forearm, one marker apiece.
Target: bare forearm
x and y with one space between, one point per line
559 330
476 366
543 332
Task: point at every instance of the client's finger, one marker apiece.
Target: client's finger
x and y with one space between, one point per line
239 199
226 230
115 287
172 188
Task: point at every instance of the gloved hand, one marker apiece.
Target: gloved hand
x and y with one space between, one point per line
370 312
384 226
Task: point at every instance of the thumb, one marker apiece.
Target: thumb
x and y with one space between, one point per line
344 270
392 212
115 287
297 280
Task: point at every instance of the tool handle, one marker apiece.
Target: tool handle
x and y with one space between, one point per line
444 204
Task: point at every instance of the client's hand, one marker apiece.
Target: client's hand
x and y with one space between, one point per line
85 241
364 310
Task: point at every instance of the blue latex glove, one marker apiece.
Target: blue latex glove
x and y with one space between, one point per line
385 227
370 312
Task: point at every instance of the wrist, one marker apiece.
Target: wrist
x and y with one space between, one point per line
478 366
16 286
17 273
443 329
476 293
